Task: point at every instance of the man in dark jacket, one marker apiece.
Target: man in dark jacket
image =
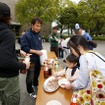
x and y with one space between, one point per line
9 66
31 43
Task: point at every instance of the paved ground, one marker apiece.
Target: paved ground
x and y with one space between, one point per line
25 99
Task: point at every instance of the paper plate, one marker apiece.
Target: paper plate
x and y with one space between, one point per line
49 85
53 102
63 81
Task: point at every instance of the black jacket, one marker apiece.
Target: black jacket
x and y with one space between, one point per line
31 40
9 66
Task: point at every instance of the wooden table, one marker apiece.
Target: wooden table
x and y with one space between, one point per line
62 95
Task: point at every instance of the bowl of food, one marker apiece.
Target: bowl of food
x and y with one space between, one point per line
62 82
51 84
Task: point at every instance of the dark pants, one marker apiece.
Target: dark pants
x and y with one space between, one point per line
33 75
55 49
9 91
60 52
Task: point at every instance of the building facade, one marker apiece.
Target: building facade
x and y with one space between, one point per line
11 4
14 26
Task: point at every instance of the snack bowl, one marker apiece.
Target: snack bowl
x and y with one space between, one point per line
62 82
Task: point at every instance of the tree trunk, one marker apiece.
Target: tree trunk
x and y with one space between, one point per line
61 31
71 31
68 30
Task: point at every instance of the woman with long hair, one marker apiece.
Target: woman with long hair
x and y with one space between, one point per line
88 60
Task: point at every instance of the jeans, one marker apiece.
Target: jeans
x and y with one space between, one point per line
33 75
60 52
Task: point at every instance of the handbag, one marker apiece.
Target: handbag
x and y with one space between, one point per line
94 93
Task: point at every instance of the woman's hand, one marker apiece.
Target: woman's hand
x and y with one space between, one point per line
68 86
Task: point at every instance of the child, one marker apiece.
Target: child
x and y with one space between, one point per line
72 69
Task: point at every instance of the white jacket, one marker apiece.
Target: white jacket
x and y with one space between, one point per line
94 63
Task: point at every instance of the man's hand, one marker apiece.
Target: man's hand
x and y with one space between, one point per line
56 39
38 52
27 64
22 53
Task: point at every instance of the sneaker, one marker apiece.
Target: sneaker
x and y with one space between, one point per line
34 86
32 95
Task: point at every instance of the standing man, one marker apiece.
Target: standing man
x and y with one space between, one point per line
31 43
54 39
9 66
80 31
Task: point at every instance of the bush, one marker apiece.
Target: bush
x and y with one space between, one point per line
98 38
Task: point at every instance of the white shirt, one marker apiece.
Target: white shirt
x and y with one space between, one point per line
67 73
94 63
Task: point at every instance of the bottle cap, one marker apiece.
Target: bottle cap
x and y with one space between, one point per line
46 69
74 100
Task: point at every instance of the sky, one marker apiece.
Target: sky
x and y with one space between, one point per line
75 1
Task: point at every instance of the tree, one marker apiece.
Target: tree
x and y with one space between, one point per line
68 17
91 14
46 9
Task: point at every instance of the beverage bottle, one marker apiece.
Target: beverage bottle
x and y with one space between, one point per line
74 102
56 61
56 67
49 67
46 72
27 59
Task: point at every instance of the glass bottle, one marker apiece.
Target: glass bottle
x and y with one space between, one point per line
56 67
46 72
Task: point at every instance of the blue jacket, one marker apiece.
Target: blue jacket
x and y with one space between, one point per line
31 40
88 37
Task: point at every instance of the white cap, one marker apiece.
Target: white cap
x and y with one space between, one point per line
77 26
54 24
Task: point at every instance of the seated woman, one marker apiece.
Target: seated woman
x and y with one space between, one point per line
88 61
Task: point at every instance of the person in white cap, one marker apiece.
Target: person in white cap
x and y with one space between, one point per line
80 31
